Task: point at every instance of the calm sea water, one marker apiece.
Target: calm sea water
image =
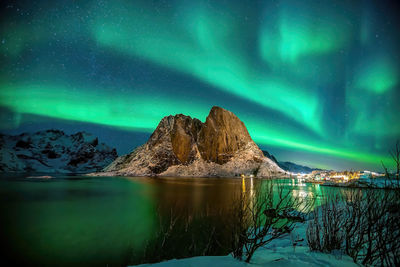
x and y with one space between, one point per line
113 220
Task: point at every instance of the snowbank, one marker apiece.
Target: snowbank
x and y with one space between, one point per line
279 252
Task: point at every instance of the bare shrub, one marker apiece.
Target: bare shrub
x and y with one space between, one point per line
353 221
394 178
265 213
382 228
325 230
182 235
364 225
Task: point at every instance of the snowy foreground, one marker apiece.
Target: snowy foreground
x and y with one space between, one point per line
279 252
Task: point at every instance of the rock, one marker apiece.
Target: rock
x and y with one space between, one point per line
23 144
54 151
221 136
270 156
184 146
184 137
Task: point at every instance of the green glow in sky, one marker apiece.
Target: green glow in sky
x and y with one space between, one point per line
203 50
378 75
300 33
316 78
144 112
136 112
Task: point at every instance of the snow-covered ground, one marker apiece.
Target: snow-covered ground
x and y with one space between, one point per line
279 252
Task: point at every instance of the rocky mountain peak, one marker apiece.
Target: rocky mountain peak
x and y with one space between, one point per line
184 137
180 133
184 146
222 135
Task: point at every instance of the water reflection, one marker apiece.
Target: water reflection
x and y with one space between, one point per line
112 220
73 222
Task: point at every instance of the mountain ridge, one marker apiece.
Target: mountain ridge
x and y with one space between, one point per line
290 166
53 151
185 146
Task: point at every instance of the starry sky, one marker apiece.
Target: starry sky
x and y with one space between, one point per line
315 82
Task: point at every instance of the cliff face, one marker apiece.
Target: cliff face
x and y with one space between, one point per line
221 136
184 146
53 151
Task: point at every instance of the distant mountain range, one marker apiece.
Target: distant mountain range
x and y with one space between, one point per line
179 146
54 151
290 166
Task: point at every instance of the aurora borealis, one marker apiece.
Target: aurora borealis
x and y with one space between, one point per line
315 82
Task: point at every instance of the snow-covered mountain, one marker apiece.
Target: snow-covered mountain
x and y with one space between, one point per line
54 151
184 146
290 166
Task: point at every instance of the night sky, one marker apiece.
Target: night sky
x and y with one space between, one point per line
315 82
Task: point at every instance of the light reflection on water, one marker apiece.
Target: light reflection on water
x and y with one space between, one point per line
92 221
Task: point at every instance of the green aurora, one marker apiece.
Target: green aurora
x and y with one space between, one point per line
315 82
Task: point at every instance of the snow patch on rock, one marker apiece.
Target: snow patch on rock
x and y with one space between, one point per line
184 146
54 151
